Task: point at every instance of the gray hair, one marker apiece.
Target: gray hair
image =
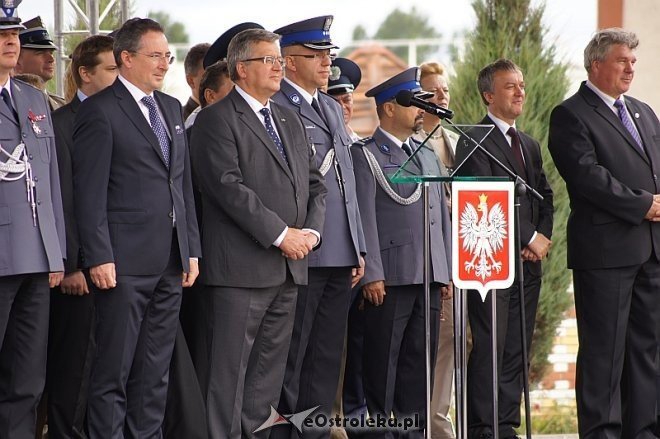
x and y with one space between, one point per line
486 75
240 47
600 44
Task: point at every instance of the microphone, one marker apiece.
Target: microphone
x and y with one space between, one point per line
407 98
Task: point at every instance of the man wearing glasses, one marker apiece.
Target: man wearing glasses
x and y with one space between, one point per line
315 354
264 206
138 232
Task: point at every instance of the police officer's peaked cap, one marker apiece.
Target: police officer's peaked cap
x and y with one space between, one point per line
406 80
313 33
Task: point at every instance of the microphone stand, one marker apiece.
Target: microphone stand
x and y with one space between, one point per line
521 187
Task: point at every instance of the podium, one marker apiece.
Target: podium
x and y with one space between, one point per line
482 237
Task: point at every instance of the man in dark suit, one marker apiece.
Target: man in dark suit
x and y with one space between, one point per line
263 207
605 146
317 343
192 64
392 216
502 90
138 231
32 237
70 338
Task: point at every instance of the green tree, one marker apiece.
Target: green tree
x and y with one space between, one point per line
513 29
175 31
403 25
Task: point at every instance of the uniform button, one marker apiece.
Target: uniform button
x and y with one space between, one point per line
430 206
39 202
171 214
432 222
392 241
24 135
36 179
30 157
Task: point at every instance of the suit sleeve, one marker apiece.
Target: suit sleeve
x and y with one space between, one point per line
365 185
56 198
194 241
92 157
546 207
215 160
575 157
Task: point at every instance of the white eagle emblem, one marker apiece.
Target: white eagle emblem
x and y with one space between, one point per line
483 236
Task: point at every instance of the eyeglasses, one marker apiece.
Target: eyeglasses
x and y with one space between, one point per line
155 57
318 56
268 60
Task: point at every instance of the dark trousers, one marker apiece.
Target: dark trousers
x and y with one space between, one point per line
71 349
136 325
251 330
394 355
353 401
185 412
617 316
315 353
24 303
509 357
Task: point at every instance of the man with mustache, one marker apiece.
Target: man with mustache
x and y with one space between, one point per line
502 89
392 216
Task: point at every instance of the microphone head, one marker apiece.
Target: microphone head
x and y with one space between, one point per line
404 98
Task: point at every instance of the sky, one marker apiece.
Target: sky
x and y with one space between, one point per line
205 20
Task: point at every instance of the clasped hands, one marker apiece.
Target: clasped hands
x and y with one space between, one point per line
104 276
297 243
537 249
654 211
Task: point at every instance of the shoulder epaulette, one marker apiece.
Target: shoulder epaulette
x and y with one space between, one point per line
363 142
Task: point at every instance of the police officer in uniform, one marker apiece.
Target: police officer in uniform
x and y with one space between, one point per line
315 353
345 76
392 216
37 56
31 236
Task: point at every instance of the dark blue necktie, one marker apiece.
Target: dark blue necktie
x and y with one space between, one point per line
625 120
158 128
271 132
407 149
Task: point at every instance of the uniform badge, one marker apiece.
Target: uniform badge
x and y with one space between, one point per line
178 129
384 148
34 119
636 115
295 98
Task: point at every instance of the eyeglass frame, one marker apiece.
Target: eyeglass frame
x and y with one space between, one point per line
264 59
169 59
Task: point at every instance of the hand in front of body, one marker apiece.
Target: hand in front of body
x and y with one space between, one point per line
297 243
190 276
357 273
74 284
104 276
374 292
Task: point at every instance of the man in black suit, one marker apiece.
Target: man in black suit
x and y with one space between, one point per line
263 207
138 231
605 146
70 338
502 89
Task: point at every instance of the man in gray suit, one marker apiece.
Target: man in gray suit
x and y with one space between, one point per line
392 215
31 236
315 354
263 208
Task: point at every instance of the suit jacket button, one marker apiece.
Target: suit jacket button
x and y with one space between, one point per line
655 177
171 182
171 214
391 241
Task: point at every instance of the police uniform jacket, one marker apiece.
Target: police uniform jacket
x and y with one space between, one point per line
394 232
24 247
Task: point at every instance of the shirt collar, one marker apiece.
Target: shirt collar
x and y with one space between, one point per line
306 96
609 100
393 139
500 124
133 90
7 86
81 96
252 102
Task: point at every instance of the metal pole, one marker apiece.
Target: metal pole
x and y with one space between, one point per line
493 347
460 363
58 9
93 14
427 303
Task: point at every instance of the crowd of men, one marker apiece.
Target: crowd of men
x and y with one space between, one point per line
207 271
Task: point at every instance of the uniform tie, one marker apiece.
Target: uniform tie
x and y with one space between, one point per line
273 135
317 107
406 148
7 99
623 116
158 128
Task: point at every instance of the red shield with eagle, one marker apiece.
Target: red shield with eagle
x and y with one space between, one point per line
483 235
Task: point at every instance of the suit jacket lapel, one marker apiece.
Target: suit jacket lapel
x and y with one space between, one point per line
605 112
135 115
500 141
170 118
254 124
21 110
